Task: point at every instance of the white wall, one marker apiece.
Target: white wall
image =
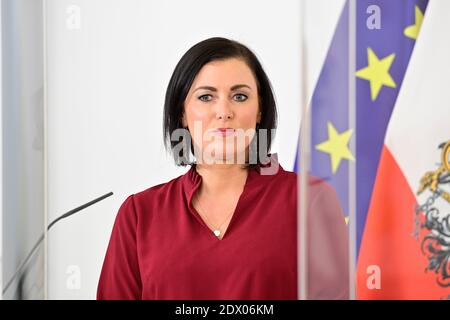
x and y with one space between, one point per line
106 83
22 147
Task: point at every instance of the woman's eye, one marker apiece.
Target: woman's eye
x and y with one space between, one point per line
205 97
240 97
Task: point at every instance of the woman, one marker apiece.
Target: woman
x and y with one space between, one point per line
227 228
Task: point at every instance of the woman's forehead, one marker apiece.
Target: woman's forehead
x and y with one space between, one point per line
224 74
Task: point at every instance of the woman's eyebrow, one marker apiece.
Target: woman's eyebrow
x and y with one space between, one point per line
206 88
235 87
238 86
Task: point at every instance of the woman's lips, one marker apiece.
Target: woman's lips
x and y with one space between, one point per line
224 131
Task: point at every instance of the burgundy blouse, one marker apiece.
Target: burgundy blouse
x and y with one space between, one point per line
160 248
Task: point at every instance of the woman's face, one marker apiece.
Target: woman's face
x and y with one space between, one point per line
223 95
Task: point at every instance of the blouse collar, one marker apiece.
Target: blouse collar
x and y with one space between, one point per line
192 179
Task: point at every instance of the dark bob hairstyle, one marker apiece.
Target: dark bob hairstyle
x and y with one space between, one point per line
188 67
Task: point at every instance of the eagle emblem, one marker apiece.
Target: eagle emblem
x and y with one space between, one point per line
435 244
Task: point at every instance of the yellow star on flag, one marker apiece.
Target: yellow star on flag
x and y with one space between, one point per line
412 31
377 72
336 146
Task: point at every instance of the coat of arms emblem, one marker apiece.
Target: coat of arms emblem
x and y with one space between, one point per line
435 217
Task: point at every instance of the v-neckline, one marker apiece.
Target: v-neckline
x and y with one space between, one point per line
233 216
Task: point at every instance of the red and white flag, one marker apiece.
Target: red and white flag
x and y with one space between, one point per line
405 250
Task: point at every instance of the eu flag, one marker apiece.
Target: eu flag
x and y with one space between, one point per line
385 32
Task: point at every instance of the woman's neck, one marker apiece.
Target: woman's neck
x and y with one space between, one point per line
221 178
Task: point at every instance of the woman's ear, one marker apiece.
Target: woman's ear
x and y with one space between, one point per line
183 121
258 119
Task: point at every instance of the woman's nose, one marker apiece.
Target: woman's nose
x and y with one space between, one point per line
224 110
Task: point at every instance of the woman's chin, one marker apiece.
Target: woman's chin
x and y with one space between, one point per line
225 158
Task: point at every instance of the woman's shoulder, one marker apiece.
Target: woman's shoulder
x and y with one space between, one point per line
315 183
286 174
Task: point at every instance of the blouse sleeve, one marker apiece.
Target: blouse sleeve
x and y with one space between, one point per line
328 246
120 276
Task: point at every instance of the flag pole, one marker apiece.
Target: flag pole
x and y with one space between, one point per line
303 154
